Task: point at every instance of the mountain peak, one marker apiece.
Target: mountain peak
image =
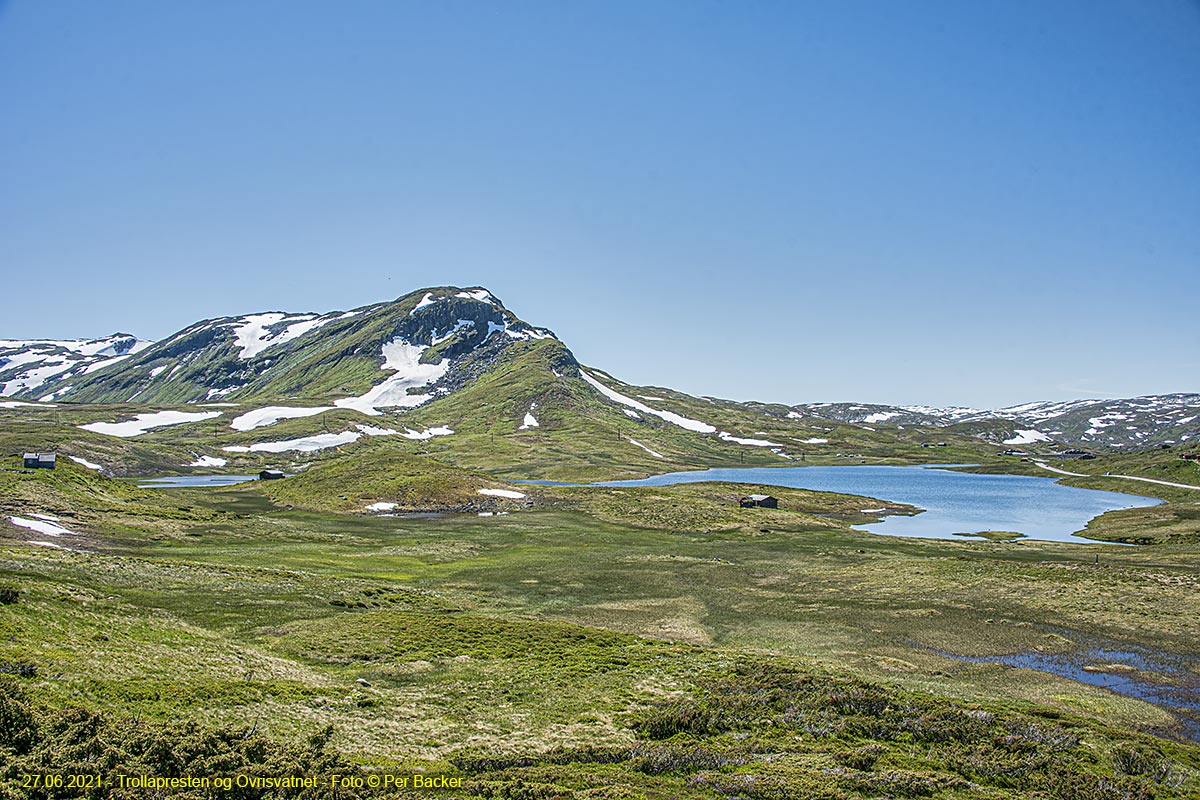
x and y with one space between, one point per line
427 343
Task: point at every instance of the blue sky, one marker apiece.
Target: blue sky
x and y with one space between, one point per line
922 202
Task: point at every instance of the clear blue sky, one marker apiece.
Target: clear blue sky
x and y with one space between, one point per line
908 202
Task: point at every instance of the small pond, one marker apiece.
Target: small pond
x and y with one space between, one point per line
1163 679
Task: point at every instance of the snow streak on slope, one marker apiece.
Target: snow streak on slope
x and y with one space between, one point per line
671 417
636 443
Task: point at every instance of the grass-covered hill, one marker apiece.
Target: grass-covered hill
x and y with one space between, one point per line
276 355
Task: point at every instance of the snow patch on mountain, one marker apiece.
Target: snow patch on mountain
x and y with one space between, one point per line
428 433
146 422
41 526
509 493
404 358
262 417
1027 437
371 430
458 326
530 420
482 295
253 334
207 461
305 444
83 462
529 333
728 437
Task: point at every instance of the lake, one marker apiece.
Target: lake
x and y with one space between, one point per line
194 480
954 502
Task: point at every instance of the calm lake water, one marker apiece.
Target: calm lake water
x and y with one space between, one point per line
195 480
954 502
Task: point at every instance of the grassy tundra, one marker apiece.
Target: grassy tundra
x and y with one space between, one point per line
639 642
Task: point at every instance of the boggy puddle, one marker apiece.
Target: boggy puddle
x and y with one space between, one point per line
1164 679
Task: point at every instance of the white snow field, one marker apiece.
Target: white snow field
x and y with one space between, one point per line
509 493
530 420
1027 437
47 358
251 332
148 421
83 462
727 437
207 461
41 526
262 417
428 433
392 392
305 444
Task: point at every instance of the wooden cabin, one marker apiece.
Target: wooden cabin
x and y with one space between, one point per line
759 501
40 460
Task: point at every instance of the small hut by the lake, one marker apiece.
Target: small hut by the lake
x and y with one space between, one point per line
759 501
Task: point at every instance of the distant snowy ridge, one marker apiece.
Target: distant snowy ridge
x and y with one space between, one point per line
43 367
1111 423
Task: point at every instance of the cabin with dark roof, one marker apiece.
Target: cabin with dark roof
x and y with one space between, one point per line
759 501
40 460
270 475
